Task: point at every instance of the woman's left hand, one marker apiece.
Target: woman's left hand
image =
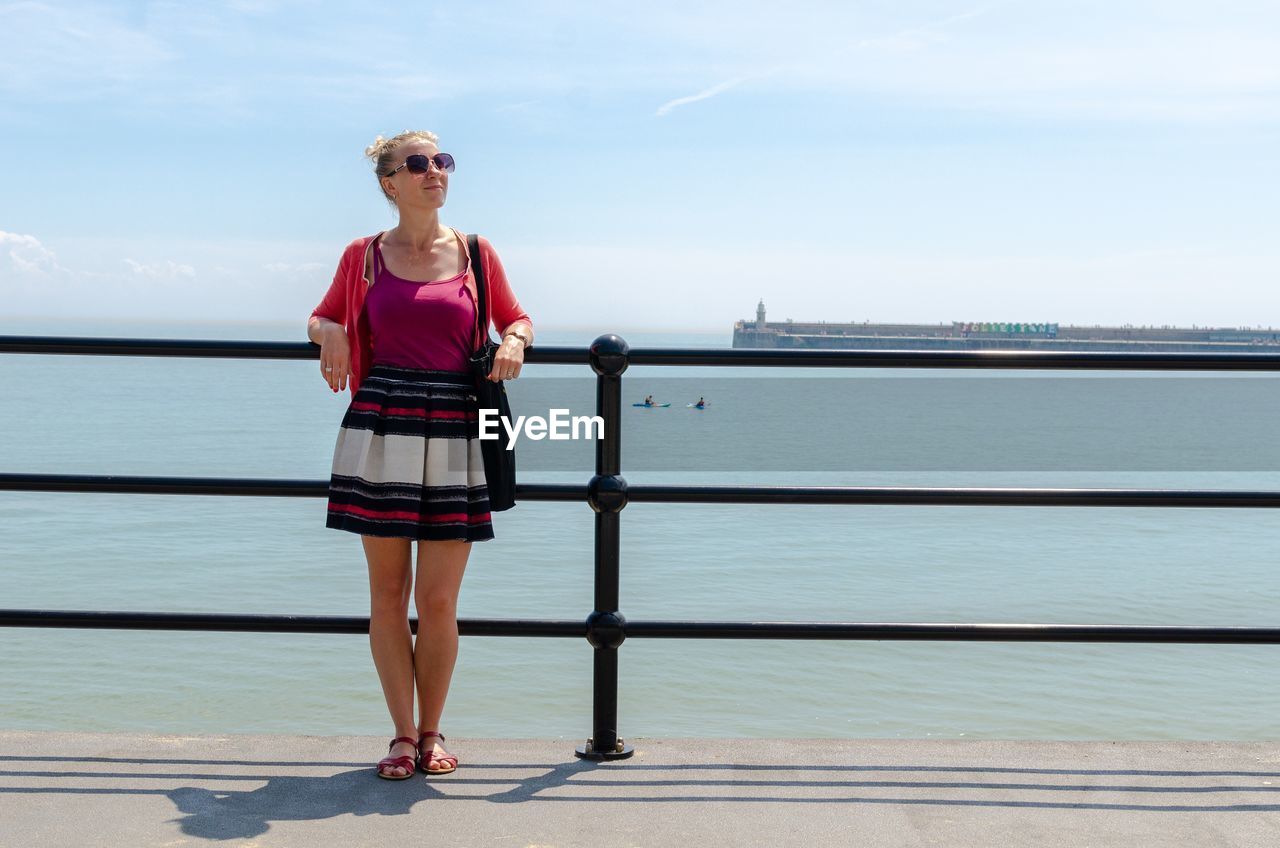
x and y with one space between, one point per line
507 359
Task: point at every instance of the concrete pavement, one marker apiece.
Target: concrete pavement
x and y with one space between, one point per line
121 789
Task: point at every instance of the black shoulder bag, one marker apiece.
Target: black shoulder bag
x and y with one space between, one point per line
499 462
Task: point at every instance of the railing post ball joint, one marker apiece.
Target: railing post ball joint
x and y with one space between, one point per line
608 355
607 495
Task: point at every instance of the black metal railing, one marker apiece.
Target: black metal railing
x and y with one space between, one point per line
607 493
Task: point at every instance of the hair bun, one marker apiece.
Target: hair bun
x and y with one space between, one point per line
373 150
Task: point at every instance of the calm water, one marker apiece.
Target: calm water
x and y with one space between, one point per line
264 419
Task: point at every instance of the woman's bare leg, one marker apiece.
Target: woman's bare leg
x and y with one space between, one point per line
390 638
440 568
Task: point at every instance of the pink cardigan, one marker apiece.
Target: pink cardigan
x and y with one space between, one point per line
344 302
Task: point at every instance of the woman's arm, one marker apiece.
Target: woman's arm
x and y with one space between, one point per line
325 327
333 306
318 328
507 314
506 310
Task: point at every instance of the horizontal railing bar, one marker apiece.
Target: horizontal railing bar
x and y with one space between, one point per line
223 348
948 632
827 630
127 620
952 496
579 355
249 487
1089 360
656 493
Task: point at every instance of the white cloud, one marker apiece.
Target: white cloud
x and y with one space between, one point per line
27 256
165 270
245 279
702 95
294 268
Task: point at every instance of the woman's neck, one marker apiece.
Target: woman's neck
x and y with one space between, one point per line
417 231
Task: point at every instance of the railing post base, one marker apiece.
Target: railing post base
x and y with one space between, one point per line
621 751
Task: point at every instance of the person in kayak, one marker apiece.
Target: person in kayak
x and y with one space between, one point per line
701 404
648 401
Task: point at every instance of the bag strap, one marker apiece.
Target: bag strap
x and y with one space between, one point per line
477 268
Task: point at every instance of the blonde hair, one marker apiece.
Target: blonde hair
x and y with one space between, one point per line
382 149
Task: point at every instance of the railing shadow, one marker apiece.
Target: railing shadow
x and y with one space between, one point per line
208 809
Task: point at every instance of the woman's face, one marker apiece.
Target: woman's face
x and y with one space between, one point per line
426 190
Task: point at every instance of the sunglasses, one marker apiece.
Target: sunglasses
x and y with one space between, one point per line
419 163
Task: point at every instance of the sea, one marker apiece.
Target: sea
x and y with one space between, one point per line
721 562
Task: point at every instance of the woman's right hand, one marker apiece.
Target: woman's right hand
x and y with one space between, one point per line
335 357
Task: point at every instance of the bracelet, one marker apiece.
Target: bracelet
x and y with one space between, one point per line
519 336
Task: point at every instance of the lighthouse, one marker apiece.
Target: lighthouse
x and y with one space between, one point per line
760 315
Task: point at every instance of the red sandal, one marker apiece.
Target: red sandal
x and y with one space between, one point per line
404 762
449 763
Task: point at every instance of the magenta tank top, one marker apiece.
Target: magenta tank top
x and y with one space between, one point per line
417 324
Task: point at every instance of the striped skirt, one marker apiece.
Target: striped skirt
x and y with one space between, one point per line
408 461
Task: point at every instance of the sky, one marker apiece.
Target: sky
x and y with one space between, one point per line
655 166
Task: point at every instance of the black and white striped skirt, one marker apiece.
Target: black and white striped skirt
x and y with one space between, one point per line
407 462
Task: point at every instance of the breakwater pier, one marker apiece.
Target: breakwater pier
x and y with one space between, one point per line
999 335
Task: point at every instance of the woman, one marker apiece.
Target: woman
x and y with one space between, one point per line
398 325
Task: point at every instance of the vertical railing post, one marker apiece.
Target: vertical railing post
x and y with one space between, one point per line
607 495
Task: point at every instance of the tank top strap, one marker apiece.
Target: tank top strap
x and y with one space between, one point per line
464 250
378 264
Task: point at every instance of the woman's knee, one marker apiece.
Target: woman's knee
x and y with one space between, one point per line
435 604
390 593
389 600
390 575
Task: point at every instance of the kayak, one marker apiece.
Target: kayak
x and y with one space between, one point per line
651 404
695 406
